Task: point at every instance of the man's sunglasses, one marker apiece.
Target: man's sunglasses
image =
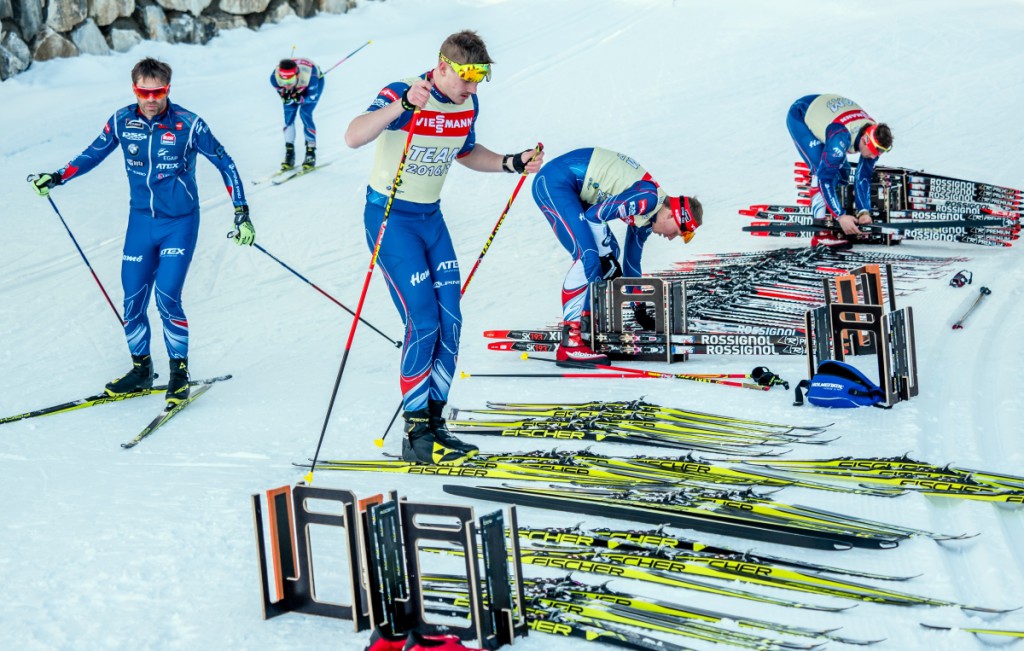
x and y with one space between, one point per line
471 72
151 93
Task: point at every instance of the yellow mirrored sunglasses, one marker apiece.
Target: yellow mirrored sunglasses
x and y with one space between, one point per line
471 72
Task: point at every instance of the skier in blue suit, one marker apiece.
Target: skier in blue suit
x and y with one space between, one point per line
160 141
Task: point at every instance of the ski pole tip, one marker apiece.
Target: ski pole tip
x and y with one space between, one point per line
464 374
378 442
524 356
309 477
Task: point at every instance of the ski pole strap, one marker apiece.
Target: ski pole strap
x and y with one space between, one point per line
766 378
963 277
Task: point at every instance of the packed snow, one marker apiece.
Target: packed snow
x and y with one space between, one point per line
103 548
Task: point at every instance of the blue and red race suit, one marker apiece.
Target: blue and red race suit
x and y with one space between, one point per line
301 100
579 193
163 218
825 128
416 255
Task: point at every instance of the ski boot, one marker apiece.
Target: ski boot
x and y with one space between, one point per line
139 378
309 162
178 387
289 157
441 433
573 349
422 446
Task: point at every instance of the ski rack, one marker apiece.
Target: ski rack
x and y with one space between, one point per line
856 323
669 342
383 565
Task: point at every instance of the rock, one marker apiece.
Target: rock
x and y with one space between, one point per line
14 56
122 40
194 7
278 11
335 6
243 7
52 45
88 38
29 17
153 21
105 12
64 15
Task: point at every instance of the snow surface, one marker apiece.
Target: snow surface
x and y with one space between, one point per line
102 548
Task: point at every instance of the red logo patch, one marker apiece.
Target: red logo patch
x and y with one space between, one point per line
390 94
445 125
177 126
167 139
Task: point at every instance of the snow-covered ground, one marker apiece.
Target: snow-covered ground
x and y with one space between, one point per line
153 548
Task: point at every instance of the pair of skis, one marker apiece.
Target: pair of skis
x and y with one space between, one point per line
199 387
283 176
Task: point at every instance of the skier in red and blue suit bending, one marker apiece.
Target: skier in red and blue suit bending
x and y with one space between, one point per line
579 193
299 83
416 253
825 128
160 141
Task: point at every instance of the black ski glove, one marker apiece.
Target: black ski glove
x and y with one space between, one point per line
610 267
643 318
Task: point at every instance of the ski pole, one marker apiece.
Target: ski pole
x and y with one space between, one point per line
678 376
33 177
522 177
346 58
539 148
626 376
366 285
983 292
397 344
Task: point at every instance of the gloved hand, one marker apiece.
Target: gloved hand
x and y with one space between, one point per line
643 318
246 233
610 267
43 183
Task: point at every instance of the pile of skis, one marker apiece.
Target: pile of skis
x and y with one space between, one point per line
746 303
906 204
907 474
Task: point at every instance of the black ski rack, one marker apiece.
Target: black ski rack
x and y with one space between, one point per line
383 569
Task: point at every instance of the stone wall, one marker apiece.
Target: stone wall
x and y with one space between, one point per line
40 30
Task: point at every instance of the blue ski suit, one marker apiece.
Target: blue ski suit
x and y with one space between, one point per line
582 226
417 257
301 100
163 217
825 128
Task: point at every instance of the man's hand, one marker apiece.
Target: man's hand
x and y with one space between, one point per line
245 232
849 224
417 95
43 183
521 162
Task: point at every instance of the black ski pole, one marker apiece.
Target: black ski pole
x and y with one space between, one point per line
33 177
396 344
982 293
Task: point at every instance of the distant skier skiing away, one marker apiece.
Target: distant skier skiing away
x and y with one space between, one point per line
825 128
416 254
579 193
299 82
159 141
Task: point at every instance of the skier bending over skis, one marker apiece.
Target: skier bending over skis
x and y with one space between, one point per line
159 141
579 193
825 128
299 83
416 252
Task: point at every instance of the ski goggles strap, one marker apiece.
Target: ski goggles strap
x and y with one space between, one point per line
684 218
471 72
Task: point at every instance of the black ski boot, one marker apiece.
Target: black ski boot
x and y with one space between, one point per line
421 446
139 378
441 433
289 157
310 161
178 387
